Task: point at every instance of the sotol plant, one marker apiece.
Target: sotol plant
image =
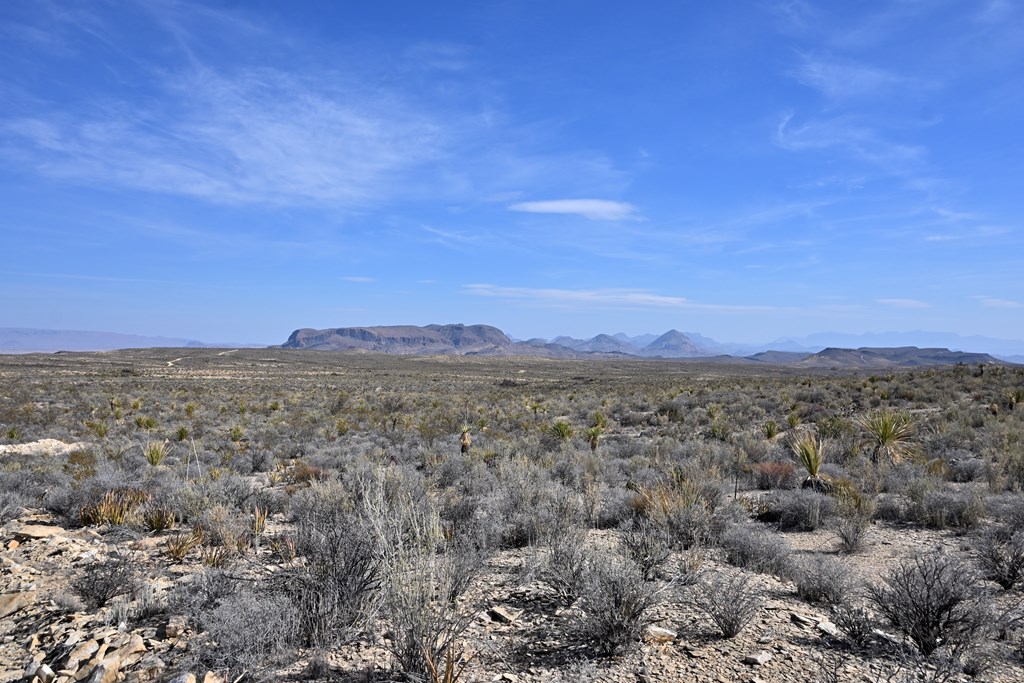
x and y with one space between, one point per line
809 451
890 435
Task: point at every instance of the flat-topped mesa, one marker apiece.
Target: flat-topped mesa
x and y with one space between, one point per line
401 339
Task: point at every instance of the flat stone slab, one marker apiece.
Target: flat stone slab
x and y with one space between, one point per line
13 602
28 532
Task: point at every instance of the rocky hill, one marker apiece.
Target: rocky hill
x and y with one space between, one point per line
402 339
904 356
673 344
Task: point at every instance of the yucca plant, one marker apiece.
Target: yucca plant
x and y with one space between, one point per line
561 431
115 508
216 556
770 429
182 433
145 422
809 450
890 434
593 436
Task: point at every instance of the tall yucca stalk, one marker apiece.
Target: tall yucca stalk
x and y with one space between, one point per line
890 434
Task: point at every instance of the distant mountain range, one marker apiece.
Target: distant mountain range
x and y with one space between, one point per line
485 340
30 340
820 350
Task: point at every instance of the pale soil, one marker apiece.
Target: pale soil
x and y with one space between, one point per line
535 647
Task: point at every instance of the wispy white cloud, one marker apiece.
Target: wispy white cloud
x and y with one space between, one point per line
358 278
608 298
980 232
903 303
594 209
844 79
994 302
258 136
845 132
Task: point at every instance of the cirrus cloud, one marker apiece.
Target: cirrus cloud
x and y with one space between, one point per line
593 209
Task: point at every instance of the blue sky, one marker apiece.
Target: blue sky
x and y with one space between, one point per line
230 171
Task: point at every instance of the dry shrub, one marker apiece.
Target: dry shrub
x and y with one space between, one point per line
756 549
775 475
616 604
932 599
731 600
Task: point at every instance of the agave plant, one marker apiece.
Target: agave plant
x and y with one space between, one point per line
890 434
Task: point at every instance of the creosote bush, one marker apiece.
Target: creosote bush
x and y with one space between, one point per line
646 543
797 510
932 599
104 580
1000 555
250 631
564 567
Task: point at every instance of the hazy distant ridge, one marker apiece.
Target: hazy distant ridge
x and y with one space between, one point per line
25 340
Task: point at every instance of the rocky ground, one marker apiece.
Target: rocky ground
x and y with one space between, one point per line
520 631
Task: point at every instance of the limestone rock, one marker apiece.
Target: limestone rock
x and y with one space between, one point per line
151 667
174 628
658 634
801 619
829 628
13 602
758 659
45 674
28 532
81 654
106 671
